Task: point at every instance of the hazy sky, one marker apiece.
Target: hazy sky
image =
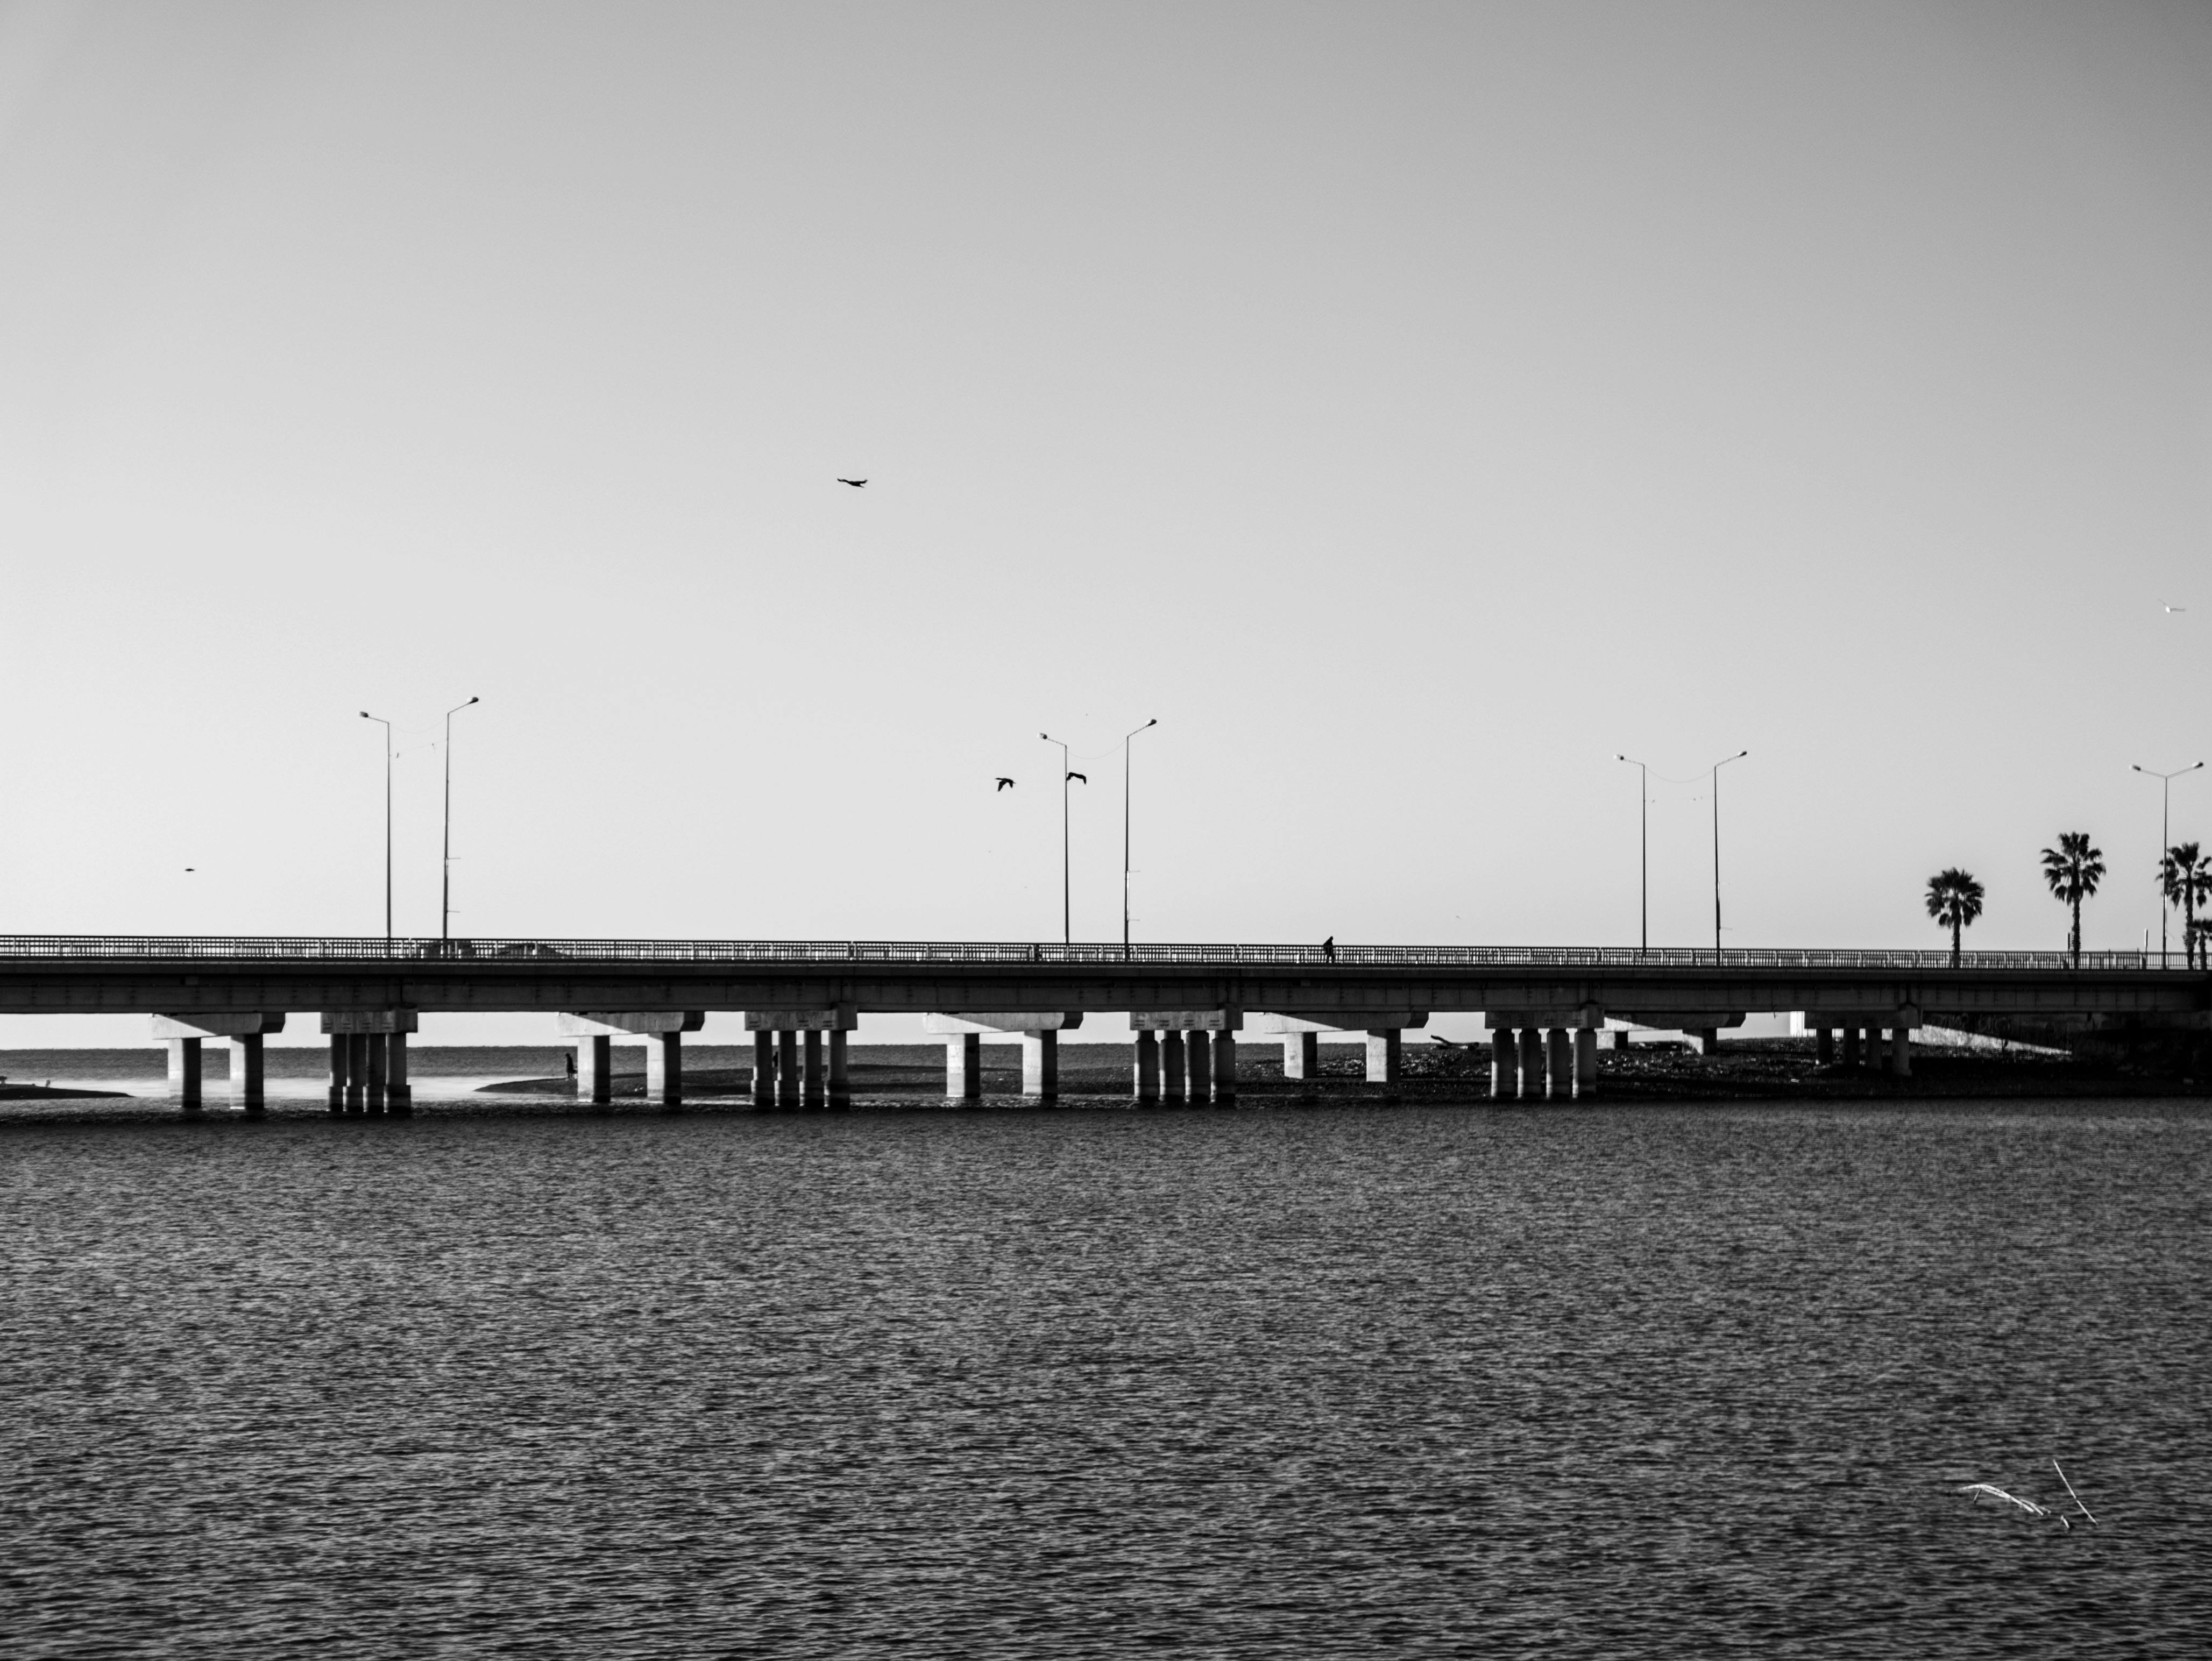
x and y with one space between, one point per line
1410 406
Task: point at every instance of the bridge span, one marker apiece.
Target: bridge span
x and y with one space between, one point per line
1545 1006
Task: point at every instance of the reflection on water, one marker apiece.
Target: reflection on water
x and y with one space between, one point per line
1591 1381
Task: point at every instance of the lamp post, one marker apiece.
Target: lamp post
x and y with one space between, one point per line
1066 901
1126 740
1716 771
446 847
2164 795
386 726
1642 851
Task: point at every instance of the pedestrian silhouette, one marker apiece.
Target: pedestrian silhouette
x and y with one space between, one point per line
1328 948
568 1063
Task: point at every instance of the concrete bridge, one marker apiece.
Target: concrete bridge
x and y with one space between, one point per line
1188 1004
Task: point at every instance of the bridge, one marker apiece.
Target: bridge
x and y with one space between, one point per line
1545 1006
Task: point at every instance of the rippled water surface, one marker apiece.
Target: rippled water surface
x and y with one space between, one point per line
1327 1381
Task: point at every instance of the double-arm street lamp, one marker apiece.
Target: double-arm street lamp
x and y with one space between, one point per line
446 850
1716 774
2164 796
1067 894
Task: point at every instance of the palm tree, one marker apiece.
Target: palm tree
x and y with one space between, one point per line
2073 870
1954 900
2186 876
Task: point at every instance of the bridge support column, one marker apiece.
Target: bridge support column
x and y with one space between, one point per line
595 1070
1824 1046
1225 1066
1709 1040
664 1068
1585 1061
340 1073
1301 1055
1198 1062
811 1084
841 1083
786 1068
1850 1046
356 1099
184 1071
1383 1051
1620 1038
1531 1070
1041 1064
246 1072
1175 1084
763 1069
1558 1065
963 1067
1146 1065
397 1092
376 1093
1900 1051
1504 1064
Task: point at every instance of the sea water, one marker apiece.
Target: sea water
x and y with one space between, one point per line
1326 1380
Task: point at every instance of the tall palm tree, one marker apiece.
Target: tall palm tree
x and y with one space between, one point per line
2073 870
2185 874
1954 900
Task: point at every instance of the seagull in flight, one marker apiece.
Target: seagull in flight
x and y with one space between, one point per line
1004 783
2173 608
1081 778
855 483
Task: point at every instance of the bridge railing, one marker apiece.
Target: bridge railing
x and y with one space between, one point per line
418 953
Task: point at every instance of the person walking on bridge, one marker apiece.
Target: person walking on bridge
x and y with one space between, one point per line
1328 948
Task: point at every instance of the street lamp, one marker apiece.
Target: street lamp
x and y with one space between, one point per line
446 849
1066 901
386 726
2165 792
1716 771
1643 848
1126 739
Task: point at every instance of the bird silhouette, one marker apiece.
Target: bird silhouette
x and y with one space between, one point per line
855 483
190 869
2173 608
1003 783
1080 778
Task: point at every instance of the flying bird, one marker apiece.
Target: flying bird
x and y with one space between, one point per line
1079 777
1003 783
2173 608
855 483
192 868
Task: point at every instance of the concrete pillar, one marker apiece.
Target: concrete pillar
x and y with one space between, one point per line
374 1097
1620 1038
1558 1065
1145 1064
1709 1041
1532 1063
1504 1064
1301 1055
339 1072
397 1092
595 1070
786 1070
245 1072
810 1082
1850 1046
664 1068
1585 1061
1198 1064
1225 1066
841 1083
1900 1051
357 1088
1383 1051
1824 1046
1041 1064
1174 1082
184 1071
963 1067
763 1069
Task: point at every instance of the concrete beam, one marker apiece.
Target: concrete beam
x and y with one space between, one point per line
216 1024
834 1018
1340 1021
1186 1021
353 1021
628 1023
1014 1020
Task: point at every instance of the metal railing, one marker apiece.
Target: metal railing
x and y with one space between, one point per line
411 953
